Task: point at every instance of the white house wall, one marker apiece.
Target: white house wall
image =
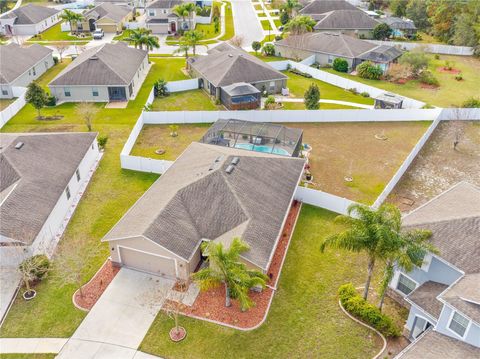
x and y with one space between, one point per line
81 93
473 332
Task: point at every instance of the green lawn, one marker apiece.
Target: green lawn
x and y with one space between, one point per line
277 23
123 35
5 102
323 106
304 321
450 93
193 100
52 313
257 6
55 33
266 25
299 84
261 14
229 27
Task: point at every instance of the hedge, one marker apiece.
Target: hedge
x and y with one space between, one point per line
368 313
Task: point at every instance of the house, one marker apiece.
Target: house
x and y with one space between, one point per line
28 20
401 27
162 20
315 8
350 22
210 193
21 65
106 16
444 293
326 47
226 65
110 72
42 175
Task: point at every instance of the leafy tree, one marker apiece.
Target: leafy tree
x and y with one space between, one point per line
72 18
300 24
142 37
36 96
291 7
192 39
268 50
417 12
270 102
340 65
225 267
87 111
367 70
181 11
256 45
160 88
416 59
398 7
61 47
284 18
368 232
442 15
33 269
382 31
183 48
464 34
312 97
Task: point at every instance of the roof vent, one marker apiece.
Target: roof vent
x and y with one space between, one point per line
229 169
94 57
218 159
235 161
230 55
19 145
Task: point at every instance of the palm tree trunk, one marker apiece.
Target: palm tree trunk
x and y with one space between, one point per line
228 302
371 264
387 277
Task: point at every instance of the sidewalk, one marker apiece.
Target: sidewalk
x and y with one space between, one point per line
31 345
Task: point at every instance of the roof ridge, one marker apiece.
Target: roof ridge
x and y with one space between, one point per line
469 217
347 46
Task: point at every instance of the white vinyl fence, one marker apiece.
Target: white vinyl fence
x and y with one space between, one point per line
462 114
322 199
341 81
132 25
176 86
14 107
431 48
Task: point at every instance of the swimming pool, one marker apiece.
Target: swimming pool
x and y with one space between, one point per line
262 148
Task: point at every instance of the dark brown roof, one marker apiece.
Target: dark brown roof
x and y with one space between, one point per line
426 295
346 20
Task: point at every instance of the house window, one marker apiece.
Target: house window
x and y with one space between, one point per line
405 284
29 72
272 85
34 71
151 12
94 91
4 92
164 11
67 193
459 324
77 173
330 59
66 91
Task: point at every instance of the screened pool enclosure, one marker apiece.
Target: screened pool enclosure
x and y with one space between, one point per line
255 136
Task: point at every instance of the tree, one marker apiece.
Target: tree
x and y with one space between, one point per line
36 96
268 49
417 12
300 24
340 65
181 11
291 7
142 37
236 41
160 88
72 18
61 47
192 38
87 111
382 31
367 232
312 97
150 41
463 34
284 18
225 267
256 45
33 269
442 14
270 102
3 6
416 59
398 7
173 130
191 9
367 70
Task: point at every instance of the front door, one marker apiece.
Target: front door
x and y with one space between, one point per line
419 326
91 25
117 94
173 27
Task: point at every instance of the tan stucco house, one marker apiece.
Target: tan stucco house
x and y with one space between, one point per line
106 16
162 20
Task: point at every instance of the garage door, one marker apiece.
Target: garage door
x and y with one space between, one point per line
158 28
147 262
108 28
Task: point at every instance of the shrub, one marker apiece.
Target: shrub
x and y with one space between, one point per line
301 73
426 77
368 313
102 141
367 70
436 57
278 37
284 18
51 101
382 31
459 77
256 45
427 106
55 60
353 90
326 66
365 94
312 97
268 50
160 88
472 102
269 102
416 59
37 267
340 65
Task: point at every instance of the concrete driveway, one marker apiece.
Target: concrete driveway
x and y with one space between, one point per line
116 325
246 22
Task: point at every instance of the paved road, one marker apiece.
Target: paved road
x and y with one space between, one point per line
246 23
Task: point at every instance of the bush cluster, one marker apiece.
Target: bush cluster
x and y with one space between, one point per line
301 73
340 65
426 77
367 70
368 313
37 267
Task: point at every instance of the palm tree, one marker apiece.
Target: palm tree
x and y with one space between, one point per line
71 17
300 25
182 48
150 42
291 7
225 267
181 11
191 9
192 38
369 231
136 37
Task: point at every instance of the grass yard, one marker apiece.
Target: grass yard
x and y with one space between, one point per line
193 100
277 23
299 84
261 14
304 321
229 27
55 33
52 313
154 137
5 102
125 34
438 166
351 149
323 106
257 6
266 25
451 92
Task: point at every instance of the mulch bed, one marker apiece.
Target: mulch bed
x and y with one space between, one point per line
211 304
97 285
429 87
451 71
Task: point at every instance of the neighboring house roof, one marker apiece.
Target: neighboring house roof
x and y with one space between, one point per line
197 199
398 23
105 65
425 296
24 58
433 345
464 295
239 89
30 14
34 177
226 65
165 4
108 10
382 53
322 6
345 19
454 219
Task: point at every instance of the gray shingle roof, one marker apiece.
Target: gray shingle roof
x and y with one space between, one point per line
464 295
25 58
226 65
165 4
41 170
111 11
30 14
426 295
190 202
433 345
323 6
239 89
108 64
397 23
346 20
382 53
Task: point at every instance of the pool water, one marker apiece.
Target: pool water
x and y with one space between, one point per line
262 148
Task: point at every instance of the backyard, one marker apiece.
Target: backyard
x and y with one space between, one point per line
443 95
438 166
5 102
193 100
55 33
